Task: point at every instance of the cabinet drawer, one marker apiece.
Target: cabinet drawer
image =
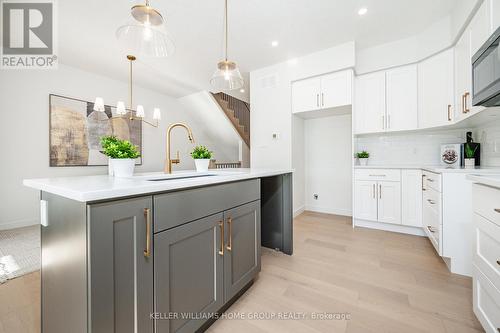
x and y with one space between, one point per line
486 301
432 180
432 226
393 175
176 208
487 249
486 202
432 198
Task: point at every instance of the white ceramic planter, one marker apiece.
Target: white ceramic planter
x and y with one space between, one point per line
470 162
123 167
110 167
363 161
202 164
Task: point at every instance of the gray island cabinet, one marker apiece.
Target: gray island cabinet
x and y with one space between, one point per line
162 262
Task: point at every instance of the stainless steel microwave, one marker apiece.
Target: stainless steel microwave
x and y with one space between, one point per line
486 73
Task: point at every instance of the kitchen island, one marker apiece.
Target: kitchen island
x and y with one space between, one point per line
156 252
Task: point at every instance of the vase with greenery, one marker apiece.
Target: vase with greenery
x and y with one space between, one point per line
363 157
201 156
121 154
470 153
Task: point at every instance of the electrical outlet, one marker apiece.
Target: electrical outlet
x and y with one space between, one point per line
315 196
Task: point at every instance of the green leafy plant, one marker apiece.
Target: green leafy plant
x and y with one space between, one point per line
469 152
116 148
363 154
201 152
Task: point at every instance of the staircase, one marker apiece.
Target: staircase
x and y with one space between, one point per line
238 112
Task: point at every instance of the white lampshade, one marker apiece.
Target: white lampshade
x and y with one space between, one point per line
145 33
99 104
140 111
120 108
156 114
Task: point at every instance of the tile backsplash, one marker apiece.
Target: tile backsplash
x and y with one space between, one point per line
424 148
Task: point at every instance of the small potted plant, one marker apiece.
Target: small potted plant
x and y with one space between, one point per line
363 157
201 156
122 155
470 153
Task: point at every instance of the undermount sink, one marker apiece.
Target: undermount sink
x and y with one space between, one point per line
160 176
176 177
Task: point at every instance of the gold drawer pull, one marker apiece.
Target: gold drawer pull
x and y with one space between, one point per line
221 226
497 210
377 175
229 246
432 202
430 229
147 217
498 262
430 180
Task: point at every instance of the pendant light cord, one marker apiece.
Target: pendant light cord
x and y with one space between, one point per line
225 28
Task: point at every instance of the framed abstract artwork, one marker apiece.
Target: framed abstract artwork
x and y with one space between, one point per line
75 132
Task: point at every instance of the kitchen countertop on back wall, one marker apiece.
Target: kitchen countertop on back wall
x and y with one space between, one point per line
435 168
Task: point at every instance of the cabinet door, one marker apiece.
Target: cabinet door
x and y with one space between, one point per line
365 200
306 95
189 273
401 90
389 202
480 27
242 250
435 90
121 273
411 193
336 89
369 105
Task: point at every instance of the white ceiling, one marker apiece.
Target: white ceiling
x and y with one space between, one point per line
87 34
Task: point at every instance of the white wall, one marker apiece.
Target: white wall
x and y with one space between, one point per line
328 163
24 110
270 100
489 137
299 165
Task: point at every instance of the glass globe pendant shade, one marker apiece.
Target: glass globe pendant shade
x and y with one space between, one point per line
145 33
227 77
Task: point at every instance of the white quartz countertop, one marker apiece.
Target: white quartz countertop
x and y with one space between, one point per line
490 180
436 168
104 187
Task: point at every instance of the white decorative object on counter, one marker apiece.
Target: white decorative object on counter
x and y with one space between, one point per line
110 167
123 167
202 164
450 155
363 161
470 162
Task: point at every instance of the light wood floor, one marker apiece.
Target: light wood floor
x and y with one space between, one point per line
386 282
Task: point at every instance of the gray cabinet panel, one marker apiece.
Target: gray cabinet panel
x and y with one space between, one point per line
121 276
176 208
242 255
188 273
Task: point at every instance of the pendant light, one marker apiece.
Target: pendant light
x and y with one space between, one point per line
227 76
145 33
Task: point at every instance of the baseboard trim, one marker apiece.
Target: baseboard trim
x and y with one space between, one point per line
331 211
389 227
18 224
298 211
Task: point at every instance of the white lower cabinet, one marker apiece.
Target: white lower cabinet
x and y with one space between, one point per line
377 195
411 194
486 259
389 202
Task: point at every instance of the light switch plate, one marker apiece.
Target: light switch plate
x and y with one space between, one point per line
44 213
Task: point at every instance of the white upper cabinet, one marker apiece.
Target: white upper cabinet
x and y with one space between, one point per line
435 90
369 103
306 95
401 98
480 27
336 89
323 92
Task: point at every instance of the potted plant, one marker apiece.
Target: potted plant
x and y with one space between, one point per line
363 157
470 153
201 156
122 155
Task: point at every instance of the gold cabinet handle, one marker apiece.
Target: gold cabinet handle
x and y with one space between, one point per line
322 99
380 191
432 202
463 103
449 112
317 100
498 262
374 191
430 229
147 218
229 246
497 210
221 226
466 110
